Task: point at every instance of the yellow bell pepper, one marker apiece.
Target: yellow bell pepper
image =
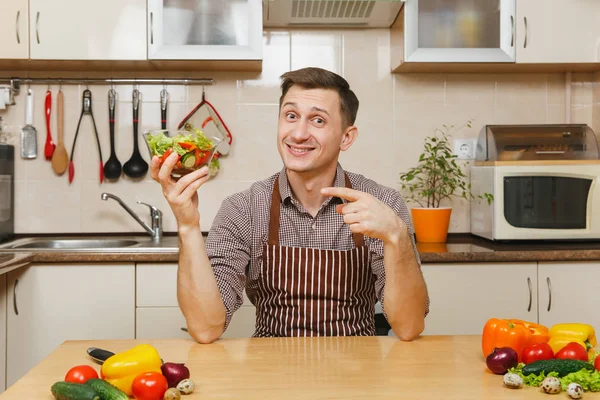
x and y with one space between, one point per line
563 334
122 368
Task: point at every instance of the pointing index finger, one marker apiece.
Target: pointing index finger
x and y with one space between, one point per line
342 192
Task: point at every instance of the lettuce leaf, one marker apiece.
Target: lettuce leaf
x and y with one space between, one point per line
589 380
531 379
160 142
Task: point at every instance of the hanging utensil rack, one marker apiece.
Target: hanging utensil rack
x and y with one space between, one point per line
15 83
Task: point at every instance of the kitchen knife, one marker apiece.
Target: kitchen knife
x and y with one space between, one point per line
99 355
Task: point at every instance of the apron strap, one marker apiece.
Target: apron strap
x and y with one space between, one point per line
274 217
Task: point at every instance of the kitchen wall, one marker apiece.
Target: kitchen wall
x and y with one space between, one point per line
396 113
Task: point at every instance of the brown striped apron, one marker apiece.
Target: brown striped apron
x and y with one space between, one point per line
313 292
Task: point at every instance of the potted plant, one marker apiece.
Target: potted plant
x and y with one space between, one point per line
436 178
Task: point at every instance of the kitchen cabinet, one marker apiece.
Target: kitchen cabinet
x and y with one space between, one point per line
568 292
496 36
87 30
158 315
458 31
51 303
558 31
228 30
464 296
14 29
2 333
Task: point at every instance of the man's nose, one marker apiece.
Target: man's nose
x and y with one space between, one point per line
300 132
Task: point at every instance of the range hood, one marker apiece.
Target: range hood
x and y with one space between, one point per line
330 13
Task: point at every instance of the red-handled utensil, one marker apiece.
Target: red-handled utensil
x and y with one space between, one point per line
50 146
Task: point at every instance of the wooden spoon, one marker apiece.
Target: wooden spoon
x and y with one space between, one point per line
60 158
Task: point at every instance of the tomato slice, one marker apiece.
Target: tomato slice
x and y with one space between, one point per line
166 155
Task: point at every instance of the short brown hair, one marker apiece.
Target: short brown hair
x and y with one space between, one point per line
318 78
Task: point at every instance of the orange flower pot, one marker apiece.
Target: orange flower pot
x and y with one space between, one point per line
431 224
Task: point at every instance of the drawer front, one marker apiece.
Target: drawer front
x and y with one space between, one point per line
166 323
156 285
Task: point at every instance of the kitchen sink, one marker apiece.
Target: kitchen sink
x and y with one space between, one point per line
92 244
69 244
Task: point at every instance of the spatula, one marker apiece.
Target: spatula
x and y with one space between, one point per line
60 158
28 132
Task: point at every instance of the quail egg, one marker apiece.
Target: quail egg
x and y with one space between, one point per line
186 386
513 381
551 385
575 390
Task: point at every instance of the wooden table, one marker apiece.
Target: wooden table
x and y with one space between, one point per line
431 367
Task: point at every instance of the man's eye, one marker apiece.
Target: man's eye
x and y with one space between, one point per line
319 120
290 115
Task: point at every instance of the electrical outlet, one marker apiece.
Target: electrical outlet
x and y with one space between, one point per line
465 148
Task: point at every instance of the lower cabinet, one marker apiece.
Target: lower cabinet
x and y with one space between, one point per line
464 296
51 303
158 315
569 292
2 333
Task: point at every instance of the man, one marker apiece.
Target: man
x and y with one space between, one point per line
313 246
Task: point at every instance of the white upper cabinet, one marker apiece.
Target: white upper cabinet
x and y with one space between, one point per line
205 30
14 29
87 30
459 31
558 31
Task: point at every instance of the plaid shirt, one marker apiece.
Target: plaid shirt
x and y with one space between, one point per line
241 228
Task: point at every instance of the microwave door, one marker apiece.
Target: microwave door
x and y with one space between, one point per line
546 202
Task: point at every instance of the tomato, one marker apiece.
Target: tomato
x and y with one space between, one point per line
149 386
202 157
165 155
535 352
573 351
81 374
597 363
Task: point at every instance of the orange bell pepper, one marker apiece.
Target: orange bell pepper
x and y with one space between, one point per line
516 334
539 333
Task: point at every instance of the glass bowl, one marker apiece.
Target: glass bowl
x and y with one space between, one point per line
195 149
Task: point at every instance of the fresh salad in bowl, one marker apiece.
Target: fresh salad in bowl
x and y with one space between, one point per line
194 148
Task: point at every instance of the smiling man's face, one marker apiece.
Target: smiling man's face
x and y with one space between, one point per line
310 130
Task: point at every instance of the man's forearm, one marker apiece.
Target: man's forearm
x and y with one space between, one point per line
197 291
405 293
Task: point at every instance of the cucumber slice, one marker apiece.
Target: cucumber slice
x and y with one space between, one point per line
188 160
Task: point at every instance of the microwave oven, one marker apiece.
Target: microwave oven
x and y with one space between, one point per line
544 183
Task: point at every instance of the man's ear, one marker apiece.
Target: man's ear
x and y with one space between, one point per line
349 137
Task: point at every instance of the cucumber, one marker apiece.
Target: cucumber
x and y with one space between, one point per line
73 391
188 160
562 366
106 390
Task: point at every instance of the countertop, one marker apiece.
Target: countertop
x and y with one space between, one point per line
379 367
459 248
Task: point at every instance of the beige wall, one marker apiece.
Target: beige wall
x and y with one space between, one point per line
396 113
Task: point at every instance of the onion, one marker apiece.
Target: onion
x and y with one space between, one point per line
500 360
175 373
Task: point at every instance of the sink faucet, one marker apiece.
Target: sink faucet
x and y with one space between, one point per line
155 213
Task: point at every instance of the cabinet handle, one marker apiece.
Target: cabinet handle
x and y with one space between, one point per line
184 329
530 294
525 41
15 297
37 27
512 31
151 28
549 293
17 26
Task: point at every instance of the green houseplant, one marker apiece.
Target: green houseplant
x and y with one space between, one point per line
437 177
